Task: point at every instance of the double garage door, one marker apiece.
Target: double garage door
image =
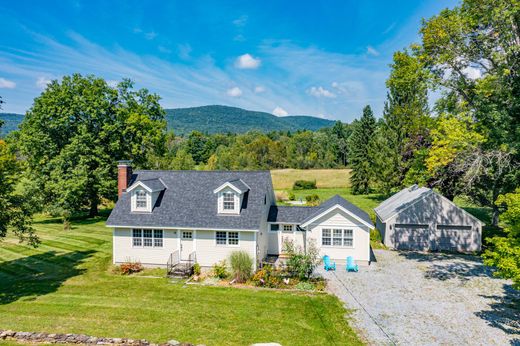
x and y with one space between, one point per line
440 237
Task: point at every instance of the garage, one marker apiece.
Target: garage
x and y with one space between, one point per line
418 218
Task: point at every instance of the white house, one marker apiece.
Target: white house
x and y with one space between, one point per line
203 216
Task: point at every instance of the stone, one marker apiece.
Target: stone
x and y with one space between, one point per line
173 342
117 340
266 344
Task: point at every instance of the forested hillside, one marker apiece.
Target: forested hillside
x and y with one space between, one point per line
214 119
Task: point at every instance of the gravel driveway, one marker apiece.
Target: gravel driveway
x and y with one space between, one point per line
409 298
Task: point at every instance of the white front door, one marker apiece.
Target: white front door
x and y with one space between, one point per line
186 244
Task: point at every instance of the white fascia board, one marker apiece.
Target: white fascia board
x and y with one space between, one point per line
186 228
337 206
139 183
227 184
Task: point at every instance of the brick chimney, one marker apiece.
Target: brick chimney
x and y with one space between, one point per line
124 175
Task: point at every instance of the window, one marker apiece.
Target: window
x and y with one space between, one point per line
226 238
348 238
229 201
337 237
147 238
158 238
187 235
137 237
233 238
287 228
275 227
326 237
141 199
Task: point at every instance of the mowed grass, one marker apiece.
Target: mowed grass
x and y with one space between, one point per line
66 286
284 179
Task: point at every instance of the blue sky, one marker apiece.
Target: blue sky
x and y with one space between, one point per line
327 58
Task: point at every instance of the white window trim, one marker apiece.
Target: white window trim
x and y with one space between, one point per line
227 239
343 229
148 201
142 238
237 203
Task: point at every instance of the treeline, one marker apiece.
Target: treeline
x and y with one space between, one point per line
325 148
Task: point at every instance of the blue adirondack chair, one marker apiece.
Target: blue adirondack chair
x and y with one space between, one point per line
351 267
327 264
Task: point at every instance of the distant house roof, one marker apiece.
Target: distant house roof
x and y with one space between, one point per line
401 201
302 215
189 201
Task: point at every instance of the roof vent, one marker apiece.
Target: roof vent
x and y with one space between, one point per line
413 187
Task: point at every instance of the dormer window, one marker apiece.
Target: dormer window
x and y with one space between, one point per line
230 196
229 201
141 199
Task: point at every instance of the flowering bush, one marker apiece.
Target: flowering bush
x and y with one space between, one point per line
130 267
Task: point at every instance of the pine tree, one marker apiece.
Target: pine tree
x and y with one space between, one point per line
360 142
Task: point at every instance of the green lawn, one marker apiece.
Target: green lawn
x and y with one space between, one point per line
66 286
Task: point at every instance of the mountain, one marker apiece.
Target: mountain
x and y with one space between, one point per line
222 119
11 122
214 119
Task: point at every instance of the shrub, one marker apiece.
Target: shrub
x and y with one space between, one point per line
196 269
313 199
304 185
305 286
130 267
292 197
301 264
242 265
220 270
267 277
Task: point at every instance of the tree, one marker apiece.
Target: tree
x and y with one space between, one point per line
505 251
360 142
182 161
75 132
14 212
404 129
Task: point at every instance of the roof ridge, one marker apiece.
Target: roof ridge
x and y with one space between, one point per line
201 171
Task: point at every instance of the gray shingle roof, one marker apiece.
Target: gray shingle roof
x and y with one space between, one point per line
189 201
240 185
400 201
152 184
289 214
338 200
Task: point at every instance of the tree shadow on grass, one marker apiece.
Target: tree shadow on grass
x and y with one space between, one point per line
39 274
504 312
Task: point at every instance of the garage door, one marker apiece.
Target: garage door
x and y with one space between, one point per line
412 237
453 237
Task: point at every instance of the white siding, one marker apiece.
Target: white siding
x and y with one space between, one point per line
338 219
209 253
204 243
276 239
123 250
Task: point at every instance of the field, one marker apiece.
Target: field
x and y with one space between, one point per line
66 286
283 179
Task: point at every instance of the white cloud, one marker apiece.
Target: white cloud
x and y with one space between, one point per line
320 92
239 38
472 72
259 89
42 82
7 84
280 112
247 61
240 21
234 92
150 35
112 83
372 51
184 51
